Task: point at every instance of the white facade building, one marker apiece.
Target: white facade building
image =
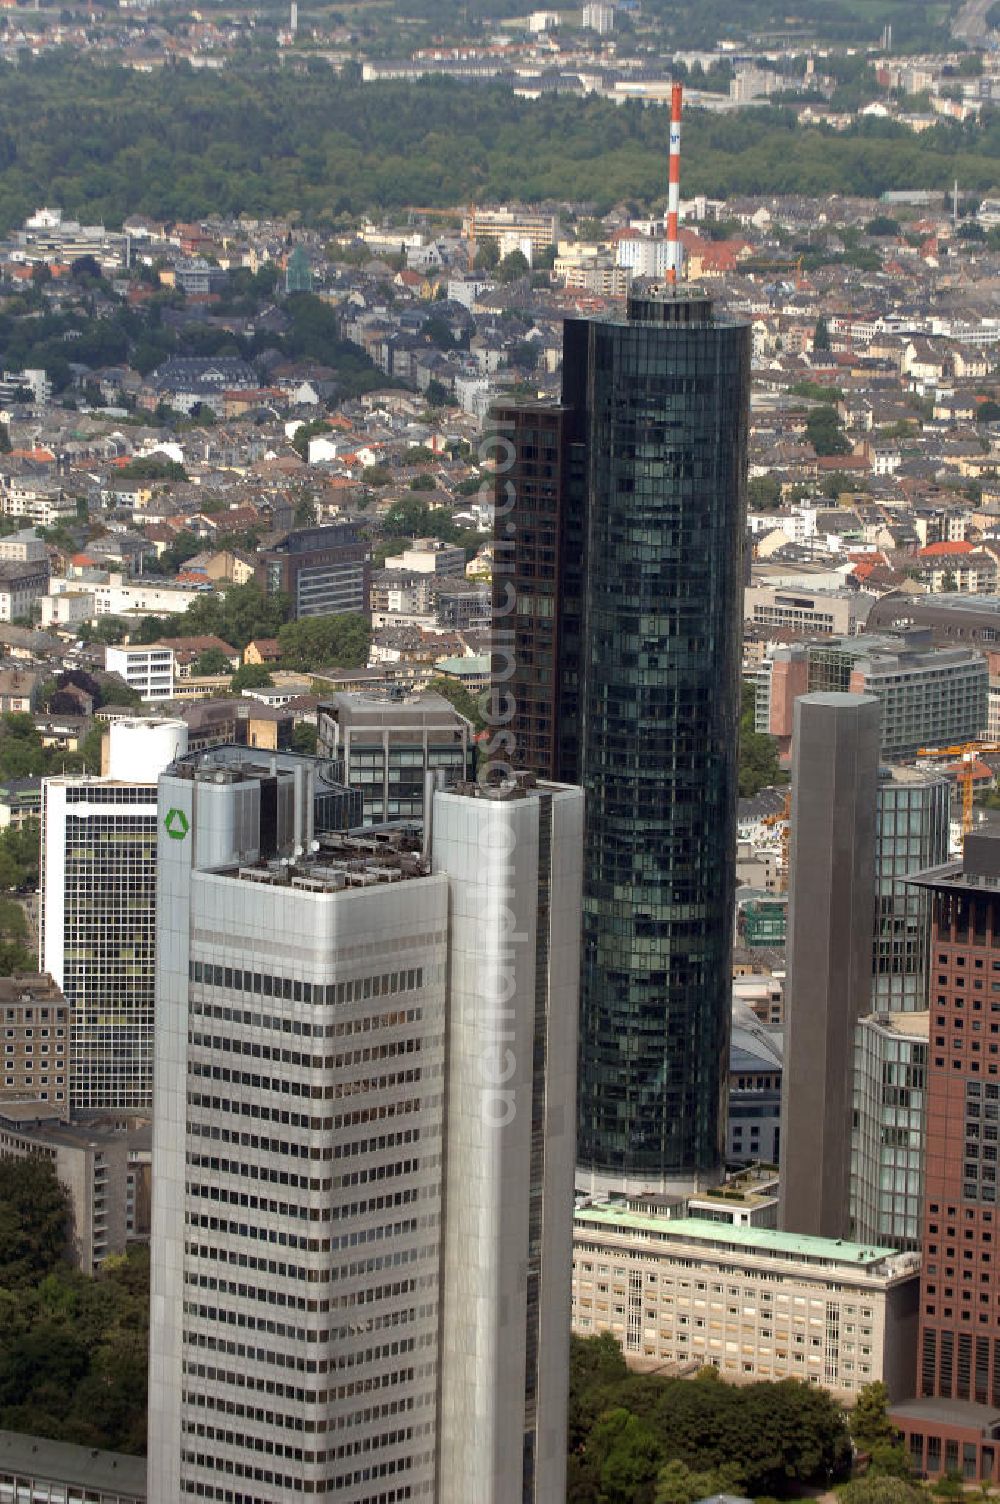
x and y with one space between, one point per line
113 597
98 912
69 610
429 556
23 548
599 17
22 587
35 381
40 502
753 1302
642 256
148 669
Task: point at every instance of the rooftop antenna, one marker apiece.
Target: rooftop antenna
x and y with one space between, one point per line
674 188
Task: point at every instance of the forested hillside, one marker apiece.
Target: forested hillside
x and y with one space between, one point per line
104 142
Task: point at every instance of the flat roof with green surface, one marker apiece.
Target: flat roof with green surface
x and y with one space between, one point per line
761 1240
478 663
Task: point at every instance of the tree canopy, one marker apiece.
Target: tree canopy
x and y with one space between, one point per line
824 432
23 754
251 676
759 767
212 661
152 467
643 1439
325 642
34 1221
237 616
73 1350
457 695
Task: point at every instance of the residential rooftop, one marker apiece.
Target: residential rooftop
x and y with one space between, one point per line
29 987
909 1025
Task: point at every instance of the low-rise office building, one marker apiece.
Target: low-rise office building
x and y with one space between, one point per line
102 1161
387 743
429 556
951 617
324 571
148 669
929 696
36 1042
828 611
755 1063
751 1301
35 1470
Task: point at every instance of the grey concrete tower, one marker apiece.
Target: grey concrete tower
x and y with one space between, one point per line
834 787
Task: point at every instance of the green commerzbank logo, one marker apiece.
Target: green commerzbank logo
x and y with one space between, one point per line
175 823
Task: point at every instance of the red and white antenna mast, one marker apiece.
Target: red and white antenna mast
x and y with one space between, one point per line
674 190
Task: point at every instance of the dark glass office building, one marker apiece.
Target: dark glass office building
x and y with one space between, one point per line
324 571
626 505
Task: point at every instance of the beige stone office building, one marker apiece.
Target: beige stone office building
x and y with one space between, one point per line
754 1302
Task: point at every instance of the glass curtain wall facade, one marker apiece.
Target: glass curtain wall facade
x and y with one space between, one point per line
98 933
663 401
911 834
889 1130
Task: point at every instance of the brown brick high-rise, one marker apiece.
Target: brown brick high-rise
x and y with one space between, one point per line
954 1423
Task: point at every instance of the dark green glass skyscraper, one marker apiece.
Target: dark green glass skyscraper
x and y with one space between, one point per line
628 520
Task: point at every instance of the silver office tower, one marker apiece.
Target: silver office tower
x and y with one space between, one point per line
330 1270
514 861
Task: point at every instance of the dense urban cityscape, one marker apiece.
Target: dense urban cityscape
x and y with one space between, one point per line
499 752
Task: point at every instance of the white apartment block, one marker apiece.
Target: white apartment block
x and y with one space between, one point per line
24 547
68 610
113 597
148 669
97 929
599 17
35 381
753 1302
642 255
22 587
42 503
541 230
429 556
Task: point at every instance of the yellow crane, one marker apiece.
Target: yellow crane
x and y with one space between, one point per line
966 752
783 817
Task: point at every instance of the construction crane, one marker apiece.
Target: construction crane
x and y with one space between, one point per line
782 817
966 752
761 266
